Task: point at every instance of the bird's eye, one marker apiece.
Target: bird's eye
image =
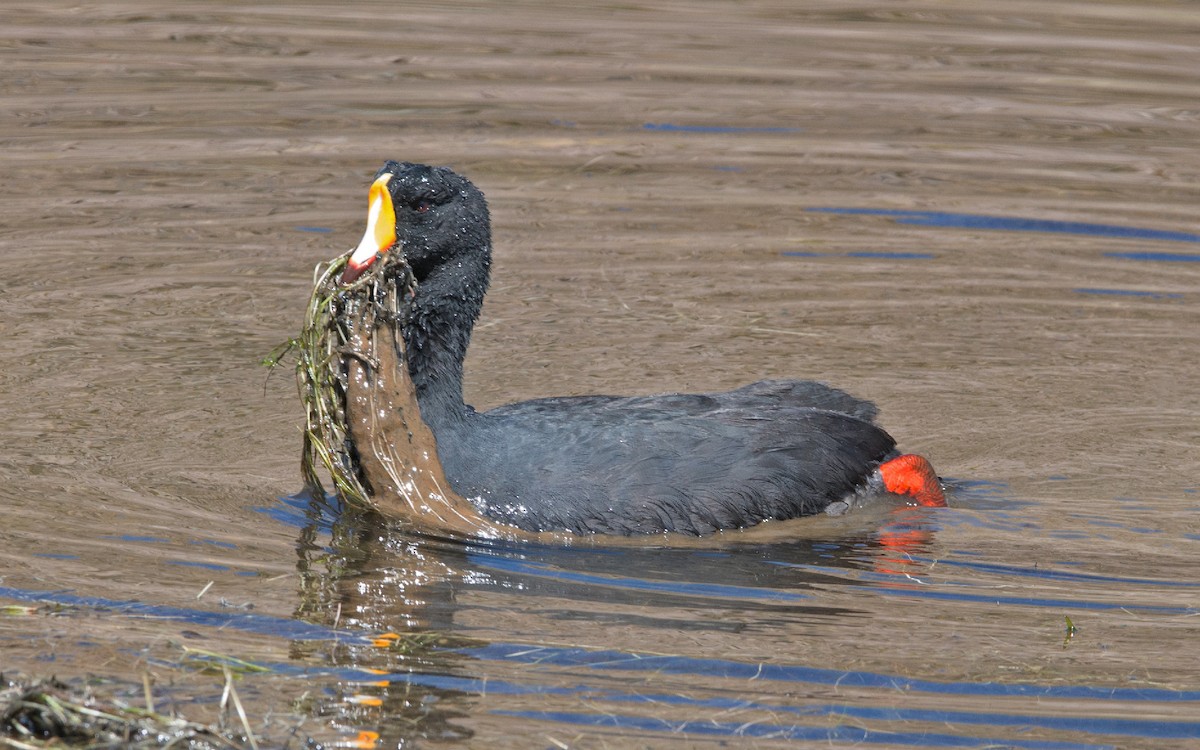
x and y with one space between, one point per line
421 206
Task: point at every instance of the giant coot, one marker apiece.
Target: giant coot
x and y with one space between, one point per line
689 463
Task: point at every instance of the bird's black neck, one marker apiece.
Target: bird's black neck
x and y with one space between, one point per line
444 310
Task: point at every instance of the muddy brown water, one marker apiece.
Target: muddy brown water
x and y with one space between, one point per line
1011 269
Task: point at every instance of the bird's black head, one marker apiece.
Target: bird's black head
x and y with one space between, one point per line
432 215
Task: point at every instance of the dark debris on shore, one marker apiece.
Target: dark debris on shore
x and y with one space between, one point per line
37 714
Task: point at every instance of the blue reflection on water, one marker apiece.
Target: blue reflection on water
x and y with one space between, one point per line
283 627
1047 573
1021 224
839 734
136 538
725 129
607 659
1027 601
1158 257
1126 293
195 564
304 509
1091 724
716 590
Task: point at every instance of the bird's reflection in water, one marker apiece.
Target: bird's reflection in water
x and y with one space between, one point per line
398 591
362 575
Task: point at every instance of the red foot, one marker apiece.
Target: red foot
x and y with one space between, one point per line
913 476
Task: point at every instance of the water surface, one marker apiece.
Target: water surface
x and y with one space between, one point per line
982 216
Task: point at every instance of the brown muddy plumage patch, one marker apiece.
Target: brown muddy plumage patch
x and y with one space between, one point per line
363 424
